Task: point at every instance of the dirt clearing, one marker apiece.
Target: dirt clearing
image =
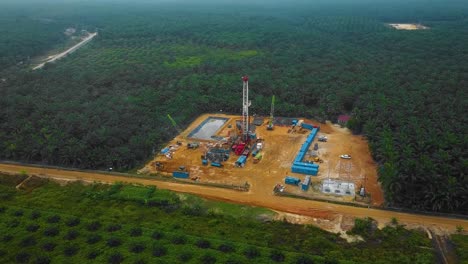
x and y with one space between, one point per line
408 26
280 147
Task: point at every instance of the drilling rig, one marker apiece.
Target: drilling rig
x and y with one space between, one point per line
245 109
270 122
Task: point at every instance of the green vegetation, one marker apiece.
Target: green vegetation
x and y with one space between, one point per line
102 224
106 105
461 245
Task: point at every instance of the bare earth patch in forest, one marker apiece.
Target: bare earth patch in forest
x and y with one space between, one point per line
280 149
408 26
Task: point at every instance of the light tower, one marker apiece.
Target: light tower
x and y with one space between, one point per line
245 109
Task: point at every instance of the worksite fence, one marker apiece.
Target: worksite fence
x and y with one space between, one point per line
242 187
157 177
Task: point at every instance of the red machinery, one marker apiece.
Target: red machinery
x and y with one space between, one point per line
240 149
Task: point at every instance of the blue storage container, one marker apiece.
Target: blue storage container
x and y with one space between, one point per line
301 167
164 150
304 170
241 160
313 133
294 122
180 174
216 164
307 126
307 165
204 162
291 180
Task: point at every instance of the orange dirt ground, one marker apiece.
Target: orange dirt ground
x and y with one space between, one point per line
280 149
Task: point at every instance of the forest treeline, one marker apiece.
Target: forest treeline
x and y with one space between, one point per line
106 105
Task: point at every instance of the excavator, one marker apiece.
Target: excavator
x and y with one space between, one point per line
270 122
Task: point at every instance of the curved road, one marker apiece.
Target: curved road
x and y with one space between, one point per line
284 204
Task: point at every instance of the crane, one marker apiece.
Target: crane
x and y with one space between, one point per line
174 124
270 123
245 109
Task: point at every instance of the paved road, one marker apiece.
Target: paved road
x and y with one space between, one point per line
68 51
284 204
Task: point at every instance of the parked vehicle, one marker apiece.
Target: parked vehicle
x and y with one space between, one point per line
322 138
345 156
193 145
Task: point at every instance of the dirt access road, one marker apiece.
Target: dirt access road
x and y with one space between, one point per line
284 204
68 51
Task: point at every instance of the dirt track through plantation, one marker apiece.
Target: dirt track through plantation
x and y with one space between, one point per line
68 51
284 204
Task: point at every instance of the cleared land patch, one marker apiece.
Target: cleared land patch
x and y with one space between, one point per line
408 26
280 148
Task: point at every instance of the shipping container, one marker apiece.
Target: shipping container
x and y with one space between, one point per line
291 180
216 164
307 165
205 162
307 126
180 174
304 170
164 150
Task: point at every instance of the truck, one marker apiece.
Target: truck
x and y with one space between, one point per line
241 161
257 158
322 138
193 145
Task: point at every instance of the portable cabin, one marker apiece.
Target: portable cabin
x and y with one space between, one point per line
291 180
306 183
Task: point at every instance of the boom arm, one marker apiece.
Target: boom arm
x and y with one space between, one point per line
173 122
272 110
